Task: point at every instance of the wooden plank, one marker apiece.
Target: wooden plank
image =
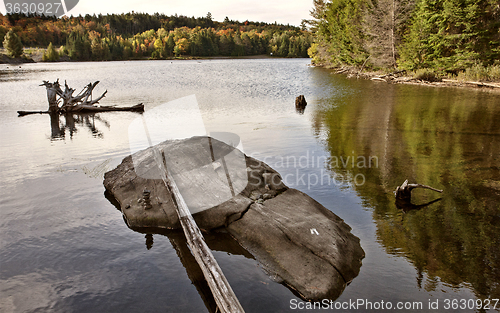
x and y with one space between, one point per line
493 85
221 290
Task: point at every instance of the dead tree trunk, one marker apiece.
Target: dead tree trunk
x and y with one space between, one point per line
81 103
70 102
300 104
403 192
52 95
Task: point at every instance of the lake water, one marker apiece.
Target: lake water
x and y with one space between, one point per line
65 248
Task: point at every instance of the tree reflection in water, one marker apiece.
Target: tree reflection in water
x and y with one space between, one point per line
442 137
68 124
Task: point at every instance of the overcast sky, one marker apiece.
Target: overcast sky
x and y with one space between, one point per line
281 11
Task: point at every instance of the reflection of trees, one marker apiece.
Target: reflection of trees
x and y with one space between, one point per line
72 122
446 138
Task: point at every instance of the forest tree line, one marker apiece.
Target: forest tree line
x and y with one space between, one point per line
157 36
447 36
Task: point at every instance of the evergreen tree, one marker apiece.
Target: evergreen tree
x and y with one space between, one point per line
451 35
340 31
12 44
3 32
50 55
169 45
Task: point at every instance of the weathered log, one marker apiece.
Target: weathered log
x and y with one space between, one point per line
479 84
23 113
403 192
82 108
221 290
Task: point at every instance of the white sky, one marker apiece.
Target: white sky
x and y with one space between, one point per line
281 11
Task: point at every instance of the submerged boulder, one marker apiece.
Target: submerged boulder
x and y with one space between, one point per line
301 243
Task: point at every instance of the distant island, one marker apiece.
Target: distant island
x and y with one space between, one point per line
145 36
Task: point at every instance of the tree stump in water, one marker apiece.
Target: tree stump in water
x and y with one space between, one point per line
300 103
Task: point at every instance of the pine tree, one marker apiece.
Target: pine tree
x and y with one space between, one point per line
169 45
50 55
451 35
12 44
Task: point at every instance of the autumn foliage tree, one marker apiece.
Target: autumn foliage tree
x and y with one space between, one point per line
12 44
138 35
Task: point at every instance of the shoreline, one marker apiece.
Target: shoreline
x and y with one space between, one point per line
24 59
397 77
401 77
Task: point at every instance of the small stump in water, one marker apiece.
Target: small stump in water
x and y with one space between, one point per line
300 104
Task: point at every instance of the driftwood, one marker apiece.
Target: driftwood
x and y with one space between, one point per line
90 109
403 192
341 70
68 100
479 84
81 103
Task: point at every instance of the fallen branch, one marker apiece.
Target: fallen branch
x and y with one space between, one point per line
492 85
23 113
83 108
403 192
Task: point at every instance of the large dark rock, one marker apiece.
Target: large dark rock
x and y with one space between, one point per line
202 182
301 243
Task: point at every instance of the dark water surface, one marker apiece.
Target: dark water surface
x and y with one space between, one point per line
65 248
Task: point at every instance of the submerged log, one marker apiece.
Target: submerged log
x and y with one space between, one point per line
81 108
300 243
403 192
